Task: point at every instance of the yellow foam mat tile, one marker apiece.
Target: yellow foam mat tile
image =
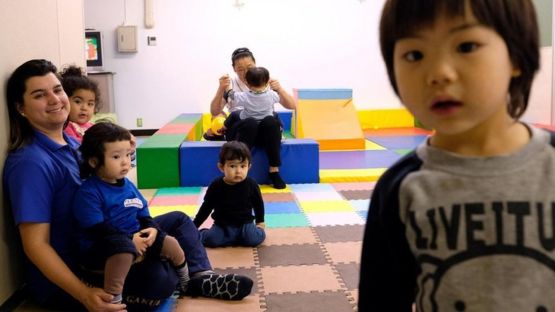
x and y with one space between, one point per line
326 206
190 210
350 175
269 189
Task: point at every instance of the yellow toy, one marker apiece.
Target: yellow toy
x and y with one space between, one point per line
217 125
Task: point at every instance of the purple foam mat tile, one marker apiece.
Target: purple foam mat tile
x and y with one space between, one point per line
304 254
349 273
309 302
357 194
358 159
340 233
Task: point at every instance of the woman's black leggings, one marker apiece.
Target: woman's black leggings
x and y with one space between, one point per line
265 133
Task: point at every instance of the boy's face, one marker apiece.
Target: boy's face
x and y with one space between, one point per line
454 76
82 106
234 171
117 161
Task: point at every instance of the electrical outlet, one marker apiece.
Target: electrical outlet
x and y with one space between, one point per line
139 122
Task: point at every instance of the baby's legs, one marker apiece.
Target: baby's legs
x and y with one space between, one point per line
251 235
219 236
173 252
115 272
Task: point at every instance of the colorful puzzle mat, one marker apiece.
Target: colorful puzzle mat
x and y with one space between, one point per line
311 254
383 148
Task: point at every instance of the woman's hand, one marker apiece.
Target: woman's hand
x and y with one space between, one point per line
261 225
225 82
95 299
275 85
285 98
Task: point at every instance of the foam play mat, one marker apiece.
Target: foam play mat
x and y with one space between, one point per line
311 255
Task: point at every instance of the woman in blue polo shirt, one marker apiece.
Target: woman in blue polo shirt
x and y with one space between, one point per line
41 175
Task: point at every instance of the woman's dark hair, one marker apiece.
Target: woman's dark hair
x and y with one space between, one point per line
514 20
241 53
21 131
235 150
93 144
257 76
73 79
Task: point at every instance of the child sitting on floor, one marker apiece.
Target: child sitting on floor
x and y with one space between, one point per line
117 229
233 198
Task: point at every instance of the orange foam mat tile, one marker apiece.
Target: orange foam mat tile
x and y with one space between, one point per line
303 278
231 257
250 303
289 236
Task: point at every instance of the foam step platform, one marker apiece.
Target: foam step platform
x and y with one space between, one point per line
158 156
328 116
299 162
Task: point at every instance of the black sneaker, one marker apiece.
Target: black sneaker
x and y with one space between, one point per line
220 286
213 137
277 181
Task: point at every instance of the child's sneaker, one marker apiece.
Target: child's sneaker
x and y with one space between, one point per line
220 286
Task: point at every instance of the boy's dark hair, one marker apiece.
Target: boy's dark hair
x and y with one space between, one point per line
21 130
235 150
514 20
73 79
257 77
93 144
241 53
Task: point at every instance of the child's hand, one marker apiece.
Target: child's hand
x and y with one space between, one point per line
225 82
261 225
149 235
133 142
140 243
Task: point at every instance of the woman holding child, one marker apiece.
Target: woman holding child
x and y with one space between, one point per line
41 175
265 133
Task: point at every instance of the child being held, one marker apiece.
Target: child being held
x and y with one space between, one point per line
257 103
117 229
233 198
84 95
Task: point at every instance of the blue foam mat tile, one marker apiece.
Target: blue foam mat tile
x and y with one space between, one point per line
281 207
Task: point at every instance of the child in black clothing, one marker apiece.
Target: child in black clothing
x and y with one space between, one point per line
233 198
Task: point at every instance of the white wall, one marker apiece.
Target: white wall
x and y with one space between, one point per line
50 29
304 43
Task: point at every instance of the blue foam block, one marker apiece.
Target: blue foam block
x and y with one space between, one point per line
299 162
324 94
285 117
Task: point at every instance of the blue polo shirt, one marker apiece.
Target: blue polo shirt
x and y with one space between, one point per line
40 180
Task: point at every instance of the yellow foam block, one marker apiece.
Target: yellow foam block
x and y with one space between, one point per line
326 206
385 118
350 175
269 189
333 123
190 210
206 122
